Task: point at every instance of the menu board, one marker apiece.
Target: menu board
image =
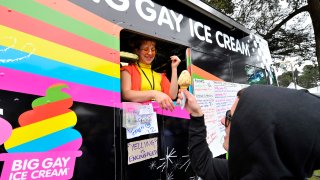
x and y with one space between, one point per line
215 98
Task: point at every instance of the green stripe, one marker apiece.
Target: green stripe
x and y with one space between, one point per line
53 94
196 76
43 13
188 60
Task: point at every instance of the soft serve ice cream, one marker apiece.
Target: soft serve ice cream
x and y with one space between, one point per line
46 145
184 82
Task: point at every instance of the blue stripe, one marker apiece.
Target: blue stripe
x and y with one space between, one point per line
48 142
46 67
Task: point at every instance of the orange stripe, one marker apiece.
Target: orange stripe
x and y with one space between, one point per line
46 111
51 33
80 14
200 72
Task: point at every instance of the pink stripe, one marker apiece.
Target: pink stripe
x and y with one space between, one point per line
70 146
177 112
81 14
54 34
18 81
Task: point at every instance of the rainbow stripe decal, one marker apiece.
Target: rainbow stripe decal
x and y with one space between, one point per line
45 42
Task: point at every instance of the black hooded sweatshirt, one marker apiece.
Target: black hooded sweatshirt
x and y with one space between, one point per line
275 134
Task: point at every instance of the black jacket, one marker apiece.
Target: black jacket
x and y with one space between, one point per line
202 162
275 134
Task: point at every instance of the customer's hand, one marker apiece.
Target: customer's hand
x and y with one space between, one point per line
191 104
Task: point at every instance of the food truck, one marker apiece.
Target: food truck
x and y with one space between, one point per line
61 112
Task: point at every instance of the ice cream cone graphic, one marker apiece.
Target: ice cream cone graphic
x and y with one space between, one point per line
45 146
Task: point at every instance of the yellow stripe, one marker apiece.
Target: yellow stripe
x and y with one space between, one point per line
37 130
41 47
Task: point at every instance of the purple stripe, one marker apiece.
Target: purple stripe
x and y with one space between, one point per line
18 81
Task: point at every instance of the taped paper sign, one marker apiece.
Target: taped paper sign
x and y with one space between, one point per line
215 98
139 119
142 150
144 128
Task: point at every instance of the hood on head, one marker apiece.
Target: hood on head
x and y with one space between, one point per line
275 133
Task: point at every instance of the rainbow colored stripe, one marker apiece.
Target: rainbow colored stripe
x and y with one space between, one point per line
44 42
61 43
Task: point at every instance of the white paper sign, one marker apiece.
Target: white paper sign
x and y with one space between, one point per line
1 111
143 128
142 150
215 98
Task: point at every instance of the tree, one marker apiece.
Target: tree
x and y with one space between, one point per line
225 6
309 77
268 19
285 79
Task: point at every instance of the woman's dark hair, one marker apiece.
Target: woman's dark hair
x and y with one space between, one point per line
136 42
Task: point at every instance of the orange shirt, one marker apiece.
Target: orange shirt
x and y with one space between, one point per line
136 80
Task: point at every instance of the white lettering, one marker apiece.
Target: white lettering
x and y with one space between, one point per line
15 176
49 173
207 34
218 33
47 163
196 25
164 17
65 161
177 19
123 7
152 13
191 27
18 165
238 47
232 43
59 162
226 41
246 49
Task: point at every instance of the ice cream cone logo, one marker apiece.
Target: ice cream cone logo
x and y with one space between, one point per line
45 146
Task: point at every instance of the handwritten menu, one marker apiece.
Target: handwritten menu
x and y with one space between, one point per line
215 98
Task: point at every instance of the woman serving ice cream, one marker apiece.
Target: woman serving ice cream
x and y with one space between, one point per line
140 83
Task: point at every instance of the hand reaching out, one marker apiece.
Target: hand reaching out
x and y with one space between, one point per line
164 101
191 104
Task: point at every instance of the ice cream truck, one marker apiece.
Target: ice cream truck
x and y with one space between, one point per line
61 111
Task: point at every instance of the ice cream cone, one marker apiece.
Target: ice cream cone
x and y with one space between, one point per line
184 79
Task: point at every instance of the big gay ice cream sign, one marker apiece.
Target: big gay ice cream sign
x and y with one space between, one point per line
45 146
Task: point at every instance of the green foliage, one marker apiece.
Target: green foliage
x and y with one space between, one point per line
285 79
283 27
316 175
225 6
309 77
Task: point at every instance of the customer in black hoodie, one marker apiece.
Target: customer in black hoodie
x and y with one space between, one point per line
274 134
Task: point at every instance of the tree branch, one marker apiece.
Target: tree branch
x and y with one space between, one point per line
277 27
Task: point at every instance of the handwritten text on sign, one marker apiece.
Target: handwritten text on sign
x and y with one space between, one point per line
215 98
142 150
